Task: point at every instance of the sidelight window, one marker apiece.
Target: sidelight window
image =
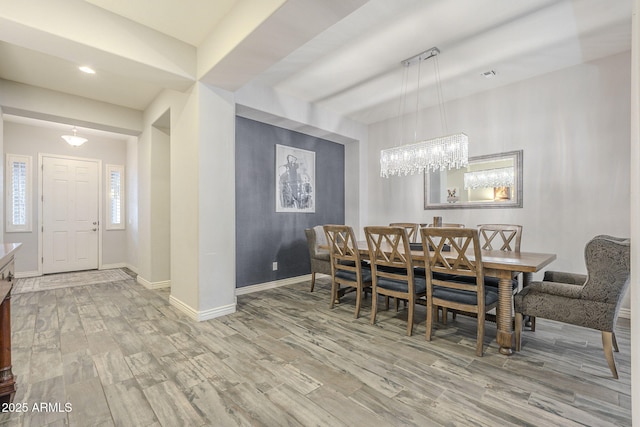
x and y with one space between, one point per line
115 197
19 193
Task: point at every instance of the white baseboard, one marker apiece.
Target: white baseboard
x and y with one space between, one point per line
153 285
275 284
625 313
131 267
119 265
112 266
25 274
200 316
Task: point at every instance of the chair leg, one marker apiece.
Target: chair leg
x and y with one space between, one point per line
615 343
607 344
386 303
445 314
313 281
358 301
430 310
374 306
518 330
480 336
410 318
334 293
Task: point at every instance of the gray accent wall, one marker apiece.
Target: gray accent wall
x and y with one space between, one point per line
262 235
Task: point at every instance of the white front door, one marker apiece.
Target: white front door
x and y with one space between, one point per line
69 214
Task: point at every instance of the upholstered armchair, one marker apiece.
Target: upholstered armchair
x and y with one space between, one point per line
591 301
320 258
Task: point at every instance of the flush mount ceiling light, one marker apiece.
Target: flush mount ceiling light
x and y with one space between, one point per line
445 152
86 69
74 140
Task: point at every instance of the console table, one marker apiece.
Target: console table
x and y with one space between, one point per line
7 270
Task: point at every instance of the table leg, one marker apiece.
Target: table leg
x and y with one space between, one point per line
503 320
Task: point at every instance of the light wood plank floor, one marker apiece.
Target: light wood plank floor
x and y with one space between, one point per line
121 355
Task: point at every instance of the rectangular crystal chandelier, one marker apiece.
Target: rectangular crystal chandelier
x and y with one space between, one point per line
435 154
490 178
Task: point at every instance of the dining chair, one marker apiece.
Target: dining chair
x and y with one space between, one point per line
392 270
347 269
320 258
412 229
445 267
591 301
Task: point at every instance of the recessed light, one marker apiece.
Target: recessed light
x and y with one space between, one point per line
87 70
489 74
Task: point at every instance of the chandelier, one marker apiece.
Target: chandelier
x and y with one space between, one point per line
437 154
74 140
500 177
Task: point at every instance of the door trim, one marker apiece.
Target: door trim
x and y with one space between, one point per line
40 209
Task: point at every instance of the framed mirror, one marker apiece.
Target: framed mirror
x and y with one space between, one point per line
490 181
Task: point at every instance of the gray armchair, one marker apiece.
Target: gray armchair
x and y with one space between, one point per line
320 258
591 301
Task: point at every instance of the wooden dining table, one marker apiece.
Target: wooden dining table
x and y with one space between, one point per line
502 265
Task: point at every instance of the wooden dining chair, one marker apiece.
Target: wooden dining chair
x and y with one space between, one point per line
347 268
412 229
392 270
444 268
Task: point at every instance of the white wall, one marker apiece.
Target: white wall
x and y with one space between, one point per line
573 126
131 212
31 140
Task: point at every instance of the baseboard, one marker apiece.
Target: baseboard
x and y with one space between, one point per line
112 266
119 265
200 316
625 313
25 274
131 267
153 285
275 284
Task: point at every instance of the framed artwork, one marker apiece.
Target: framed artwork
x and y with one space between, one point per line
295 180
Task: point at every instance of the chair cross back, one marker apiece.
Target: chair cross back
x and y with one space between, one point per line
440 261
502 237
342 246
411 229
390 249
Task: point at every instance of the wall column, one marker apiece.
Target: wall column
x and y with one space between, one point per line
203 204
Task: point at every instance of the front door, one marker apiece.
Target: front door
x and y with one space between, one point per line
69 214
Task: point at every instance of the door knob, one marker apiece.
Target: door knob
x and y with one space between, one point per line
93 229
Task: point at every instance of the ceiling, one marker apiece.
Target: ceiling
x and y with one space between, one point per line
343 55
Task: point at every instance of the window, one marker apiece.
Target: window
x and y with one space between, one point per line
115 197
18 193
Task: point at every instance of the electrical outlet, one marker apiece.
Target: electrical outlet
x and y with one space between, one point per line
275 266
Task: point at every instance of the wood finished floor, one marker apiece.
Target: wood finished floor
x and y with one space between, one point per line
121 355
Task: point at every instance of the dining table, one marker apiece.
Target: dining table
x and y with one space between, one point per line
502 265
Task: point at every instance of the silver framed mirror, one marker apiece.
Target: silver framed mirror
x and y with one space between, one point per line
490 181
